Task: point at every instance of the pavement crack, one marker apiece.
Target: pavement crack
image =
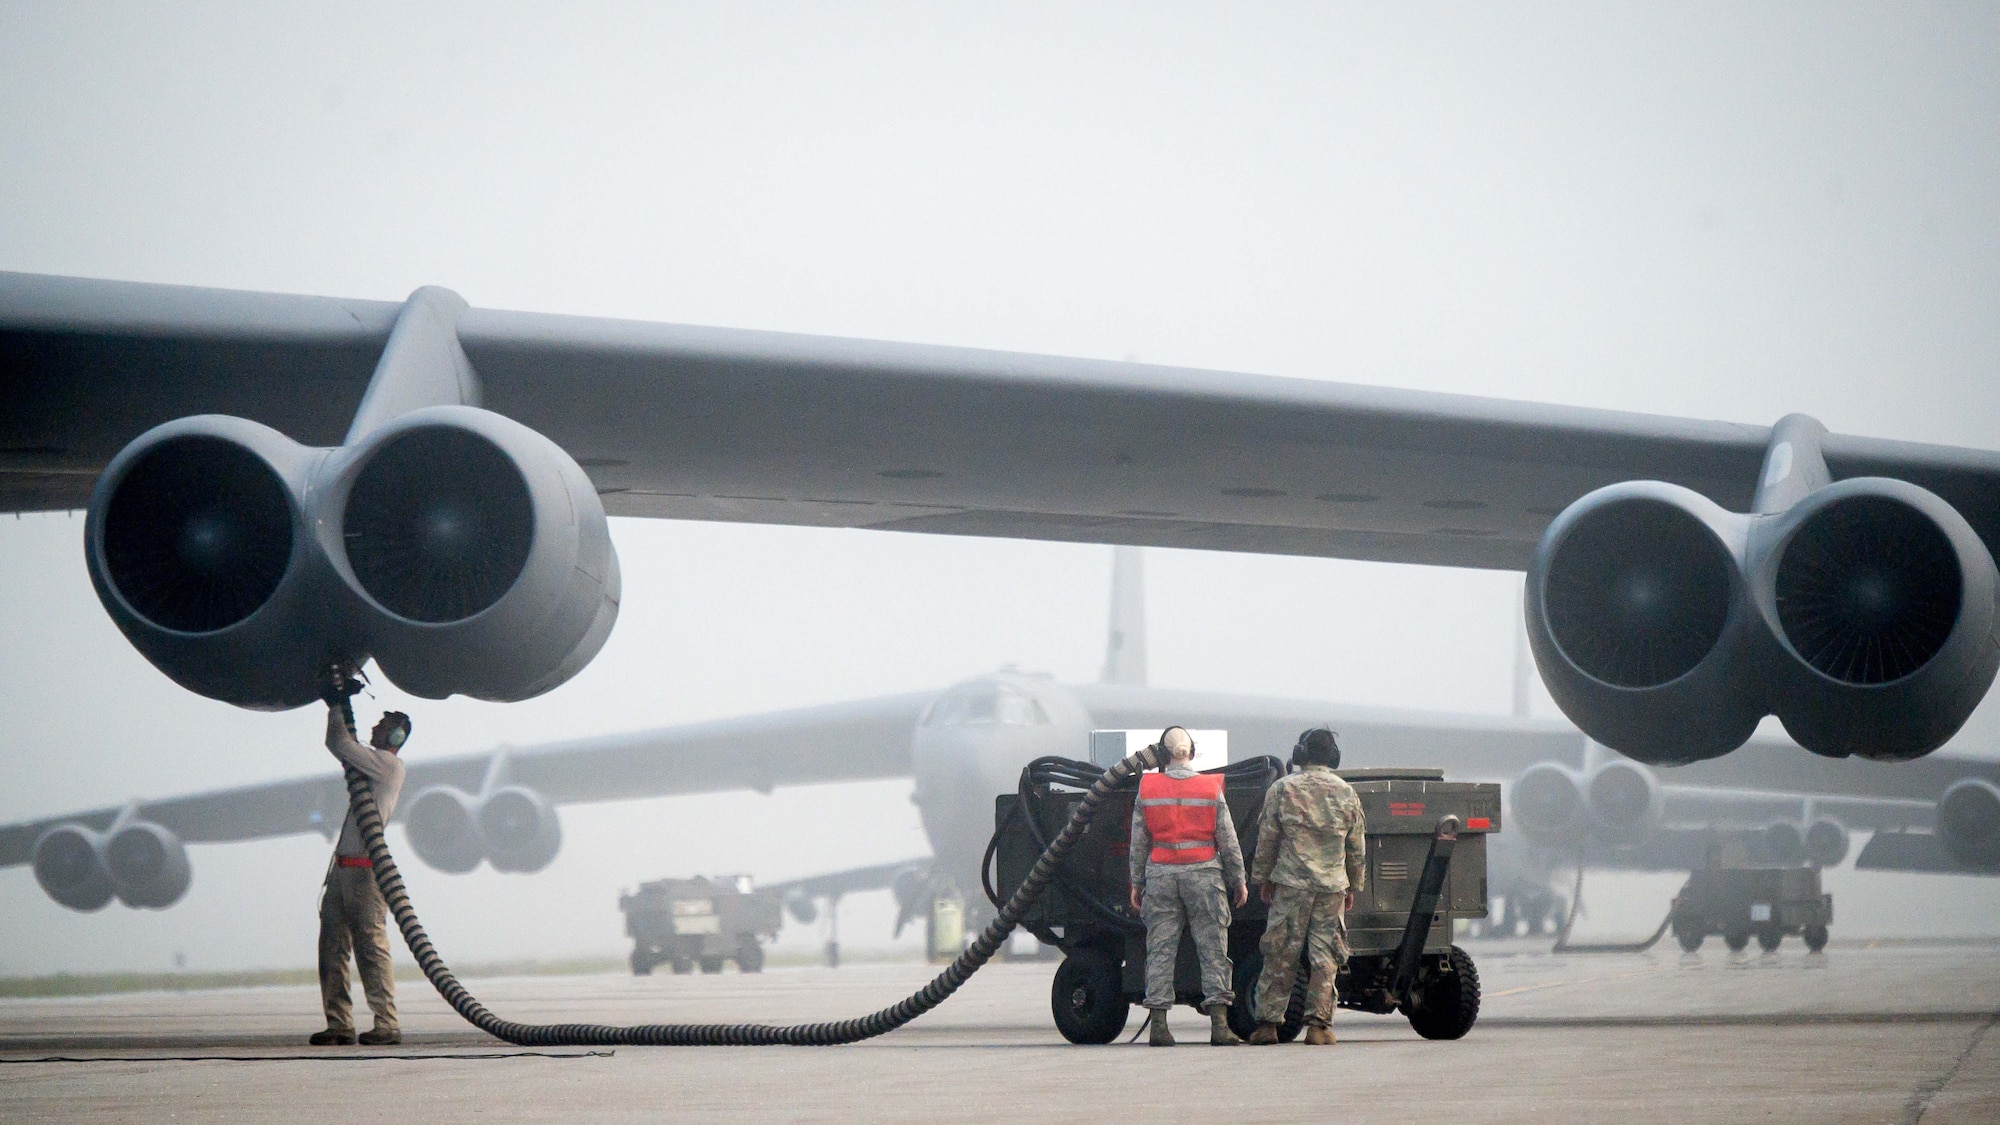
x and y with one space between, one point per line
1920 1098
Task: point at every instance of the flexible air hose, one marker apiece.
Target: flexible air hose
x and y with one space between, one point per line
362 797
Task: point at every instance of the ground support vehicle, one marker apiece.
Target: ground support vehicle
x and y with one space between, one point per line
1427 868
1741 902
700 922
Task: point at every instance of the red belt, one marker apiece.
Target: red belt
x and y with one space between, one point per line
353 861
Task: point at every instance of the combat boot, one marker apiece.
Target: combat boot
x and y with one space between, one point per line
1159 1036
332 1038
1219 1034
380 1037
1317 1036
1266 1035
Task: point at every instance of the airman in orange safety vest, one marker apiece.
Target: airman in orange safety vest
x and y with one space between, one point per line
1187 867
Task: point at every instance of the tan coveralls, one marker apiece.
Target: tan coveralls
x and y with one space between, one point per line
353 918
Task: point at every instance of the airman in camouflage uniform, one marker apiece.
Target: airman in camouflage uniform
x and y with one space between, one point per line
1312 855
1196 897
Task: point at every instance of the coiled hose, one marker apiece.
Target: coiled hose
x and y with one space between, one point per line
362 797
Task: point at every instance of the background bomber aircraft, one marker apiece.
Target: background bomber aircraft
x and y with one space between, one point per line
444 516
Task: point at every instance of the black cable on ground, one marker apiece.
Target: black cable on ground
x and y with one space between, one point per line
362 797
307 1056
1562 944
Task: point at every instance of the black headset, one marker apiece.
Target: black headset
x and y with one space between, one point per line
1303 756
1165 758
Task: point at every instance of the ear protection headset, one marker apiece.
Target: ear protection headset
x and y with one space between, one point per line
401 734
1165 757
1304 753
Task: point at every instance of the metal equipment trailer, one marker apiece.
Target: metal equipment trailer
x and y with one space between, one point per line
1426 869
1741 902
705 922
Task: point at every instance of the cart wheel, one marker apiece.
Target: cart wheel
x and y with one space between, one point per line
1769 938
1815 936
1243 1013
711 964
1689 937
1088 997
1448 1000
642 963
750 957
1737 938
683 966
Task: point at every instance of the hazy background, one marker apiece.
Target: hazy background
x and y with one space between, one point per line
1722 211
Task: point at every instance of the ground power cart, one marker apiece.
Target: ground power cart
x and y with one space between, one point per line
686 923
1767 903
1426 869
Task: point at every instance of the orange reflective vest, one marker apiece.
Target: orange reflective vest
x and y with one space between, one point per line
1180 815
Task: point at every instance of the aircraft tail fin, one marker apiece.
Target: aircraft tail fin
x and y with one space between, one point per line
1125 647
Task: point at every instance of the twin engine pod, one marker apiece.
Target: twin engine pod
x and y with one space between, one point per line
512 827
1667 628
142 864
464 552
1553 805
1621 804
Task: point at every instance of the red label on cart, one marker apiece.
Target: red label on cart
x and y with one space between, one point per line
1406 808
1480 824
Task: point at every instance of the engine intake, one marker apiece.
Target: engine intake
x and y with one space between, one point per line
199 535
1868 590
1546 804
148 865
464 552
70 867
444 829
1863 616
438 524
1634 618
1968 818
521 829
481 551
1638 592
137 862
1826 843
1624 802
1880 602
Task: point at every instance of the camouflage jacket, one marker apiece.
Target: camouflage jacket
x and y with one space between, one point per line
1311 833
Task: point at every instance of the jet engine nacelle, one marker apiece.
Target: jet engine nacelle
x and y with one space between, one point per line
464 552
1862 616
521 830
1968 820
140 863
1546 804
148 864
514 828
1624 802
69 865
1553 805
1826 843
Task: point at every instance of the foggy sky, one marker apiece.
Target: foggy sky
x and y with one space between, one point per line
1724 211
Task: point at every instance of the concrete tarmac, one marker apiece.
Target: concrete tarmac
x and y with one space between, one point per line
1860 1034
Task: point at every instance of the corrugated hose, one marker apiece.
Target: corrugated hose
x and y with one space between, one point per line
361 797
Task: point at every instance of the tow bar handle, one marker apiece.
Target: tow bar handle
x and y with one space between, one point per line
1423 911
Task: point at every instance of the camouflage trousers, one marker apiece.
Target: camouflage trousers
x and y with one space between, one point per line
354 921
1311 921
1196 901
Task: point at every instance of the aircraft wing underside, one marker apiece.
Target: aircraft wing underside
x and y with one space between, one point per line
726 424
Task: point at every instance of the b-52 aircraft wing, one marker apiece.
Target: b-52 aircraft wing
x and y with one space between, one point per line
764 427
854 741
